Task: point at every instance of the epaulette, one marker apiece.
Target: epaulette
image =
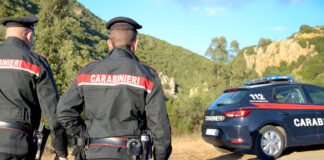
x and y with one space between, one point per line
149 66
90 63
37 53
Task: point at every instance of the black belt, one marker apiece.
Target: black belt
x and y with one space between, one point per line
111 141
22 129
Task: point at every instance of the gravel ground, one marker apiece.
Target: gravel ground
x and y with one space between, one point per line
193 147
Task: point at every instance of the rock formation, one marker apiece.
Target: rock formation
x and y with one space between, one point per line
169 85
287 50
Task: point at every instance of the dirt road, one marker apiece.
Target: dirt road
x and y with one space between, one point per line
193 147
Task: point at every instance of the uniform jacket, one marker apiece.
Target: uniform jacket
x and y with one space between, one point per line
116 94
27 88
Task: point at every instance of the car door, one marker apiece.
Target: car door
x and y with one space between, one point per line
316 95
297 114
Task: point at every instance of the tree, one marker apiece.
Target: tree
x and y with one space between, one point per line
264 42
17 8
217 50
307 29
234 48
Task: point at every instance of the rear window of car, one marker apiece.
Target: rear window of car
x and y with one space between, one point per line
230 98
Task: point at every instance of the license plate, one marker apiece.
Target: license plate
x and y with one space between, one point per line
215 118
212 132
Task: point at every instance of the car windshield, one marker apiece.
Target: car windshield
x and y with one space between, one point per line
230 98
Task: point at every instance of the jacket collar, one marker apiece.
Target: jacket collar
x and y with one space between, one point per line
123 51
16 42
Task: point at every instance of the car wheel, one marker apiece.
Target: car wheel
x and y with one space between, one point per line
223 149
269 143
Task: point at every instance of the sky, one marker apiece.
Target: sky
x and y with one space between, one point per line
192 24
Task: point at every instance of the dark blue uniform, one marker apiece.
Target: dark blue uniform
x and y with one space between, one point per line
118 96
27 89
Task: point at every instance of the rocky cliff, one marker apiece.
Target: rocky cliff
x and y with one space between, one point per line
169 85
288 50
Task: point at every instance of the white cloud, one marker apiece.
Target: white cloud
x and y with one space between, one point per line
214 11
194 8
278 28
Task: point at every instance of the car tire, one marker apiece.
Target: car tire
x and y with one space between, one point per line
223 149
269 143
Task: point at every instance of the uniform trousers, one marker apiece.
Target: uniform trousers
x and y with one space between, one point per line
8 156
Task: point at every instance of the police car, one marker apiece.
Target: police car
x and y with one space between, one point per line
267 115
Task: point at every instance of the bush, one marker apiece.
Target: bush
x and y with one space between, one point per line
249 50
307 29
303 42
322 28
319 43
264 42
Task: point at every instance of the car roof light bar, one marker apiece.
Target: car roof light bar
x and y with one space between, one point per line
269 79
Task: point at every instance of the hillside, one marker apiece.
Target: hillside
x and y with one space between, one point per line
69 32
70 36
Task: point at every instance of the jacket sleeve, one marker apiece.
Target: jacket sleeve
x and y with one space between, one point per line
48 97
70 107
158 121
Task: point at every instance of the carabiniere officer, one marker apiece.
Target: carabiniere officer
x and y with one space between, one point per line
120 98
27 88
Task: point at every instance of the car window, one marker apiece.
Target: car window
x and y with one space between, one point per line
316 94
229 98
289 95
267 93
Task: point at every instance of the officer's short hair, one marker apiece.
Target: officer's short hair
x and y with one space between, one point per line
122 37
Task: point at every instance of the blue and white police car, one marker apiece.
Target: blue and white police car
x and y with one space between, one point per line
267 115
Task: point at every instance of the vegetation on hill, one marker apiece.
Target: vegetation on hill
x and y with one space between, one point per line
312 71
306 69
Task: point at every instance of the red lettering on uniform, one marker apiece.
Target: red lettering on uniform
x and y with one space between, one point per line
12 62
103 78
134 80
114 80
128 79
92 78
98 79
121 77
109 79
138 80
18 64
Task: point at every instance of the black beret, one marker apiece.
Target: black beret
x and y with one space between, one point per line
27 21
122 23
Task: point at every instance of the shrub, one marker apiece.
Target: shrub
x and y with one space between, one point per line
303 42
249 50
307 29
